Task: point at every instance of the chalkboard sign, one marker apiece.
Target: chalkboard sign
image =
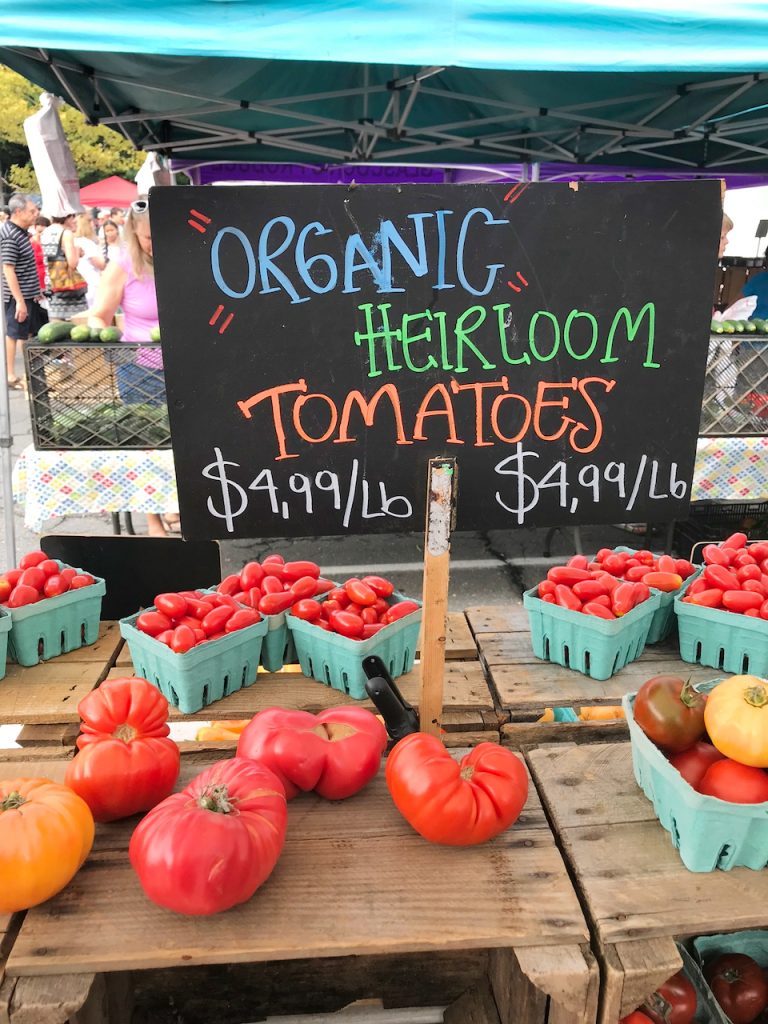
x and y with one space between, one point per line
321 343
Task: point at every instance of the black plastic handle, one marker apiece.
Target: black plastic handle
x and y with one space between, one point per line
400 718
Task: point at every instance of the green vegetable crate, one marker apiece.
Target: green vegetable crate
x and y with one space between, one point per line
56 625
708 947
708 833
5 628
596 647
204 674
337 660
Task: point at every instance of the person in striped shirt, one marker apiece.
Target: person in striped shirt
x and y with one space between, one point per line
24 316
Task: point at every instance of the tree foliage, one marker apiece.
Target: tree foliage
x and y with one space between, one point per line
97 151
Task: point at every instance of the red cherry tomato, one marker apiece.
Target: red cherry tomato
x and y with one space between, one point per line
303 587
567 575
22 594
548 587
712 598
32 558
719 576
307 609
666 564
254 596
54 586
347 624
241 618
371 629
273 560
182 640
216 620
566 598
273 604
68 573
165 637
272 585
748 572
736 540
588 590
399 611
33 577
153 623
295 570
664 581
380 586
172 605
713 555
360 592
230 584
598 610
83 579
251 575
623 599
741 600
323 586
13 576
49 567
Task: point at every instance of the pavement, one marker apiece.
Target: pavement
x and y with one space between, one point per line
491 567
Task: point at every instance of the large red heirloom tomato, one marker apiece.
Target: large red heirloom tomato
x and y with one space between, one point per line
334 753
126 762
456 803
211 846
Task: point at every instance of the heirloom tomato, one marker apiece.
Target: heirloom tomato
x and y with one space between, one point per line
734 782
126 763
46 832
334 753
739 986
211 846
674 1002
638 1017
670 712
694 762
736 718
456 803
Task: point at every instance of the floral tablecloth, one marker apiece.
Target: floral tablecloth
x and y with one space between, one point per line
731 469
70 483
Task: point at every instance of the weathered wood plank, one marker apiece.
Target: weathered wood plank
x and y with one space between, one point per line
497 618
322 899
476 1006
631 878
465 689
56 999
522 735
532 687
49 692
16 755
50 735
516 649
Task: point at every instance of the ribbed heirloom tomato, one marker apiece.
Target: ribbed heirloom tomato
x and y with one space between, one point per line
456 803
126 763
211 846
737 719
46 832
670 712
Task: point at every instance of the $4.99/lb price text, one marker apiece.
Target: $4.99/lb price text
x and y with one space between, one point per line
520 488
343 492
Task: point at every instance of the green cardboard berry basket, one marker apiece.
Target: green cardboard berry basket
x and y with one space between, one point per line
5 628
56 625
277 648
722 639
707 1009
707 832
337 660
596 647
750 943
664 619
204 674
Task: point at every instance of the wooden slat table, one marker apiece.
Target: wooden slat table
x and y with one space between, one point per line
524 685
638 894
354 881
469 714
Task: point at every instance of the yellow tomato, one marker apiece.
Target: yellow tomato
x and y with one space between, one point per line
46 832
736 717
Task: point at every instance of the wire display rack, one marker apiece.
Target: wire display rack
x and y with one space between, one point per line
736 386
96 396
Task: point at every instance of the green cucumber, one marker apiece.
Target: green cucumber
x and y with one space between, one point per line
110 335
81 333
154 334
50 333
95 333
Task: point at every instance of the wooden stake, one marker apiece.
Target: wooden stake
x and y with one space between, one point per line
441 513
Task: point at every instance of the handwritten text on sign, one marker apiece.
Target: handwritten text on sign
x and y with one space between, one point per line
321 344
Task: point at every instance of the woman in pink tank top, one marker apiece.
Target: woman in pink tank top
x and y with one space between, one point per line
129 283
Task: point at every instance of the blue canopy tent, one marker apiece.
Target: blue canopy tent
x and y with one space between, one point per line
661 83
649 83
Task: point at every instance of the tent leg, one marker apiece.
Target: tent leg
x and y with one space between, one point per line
6 470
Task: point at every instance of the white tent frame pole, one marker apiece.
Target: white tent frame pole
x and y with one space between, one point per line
6 467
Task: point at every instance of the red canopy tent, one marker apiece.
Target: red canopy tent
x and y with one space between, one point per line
112 191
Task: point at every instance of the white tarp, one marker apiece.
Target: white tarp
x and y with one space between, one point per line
52 159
